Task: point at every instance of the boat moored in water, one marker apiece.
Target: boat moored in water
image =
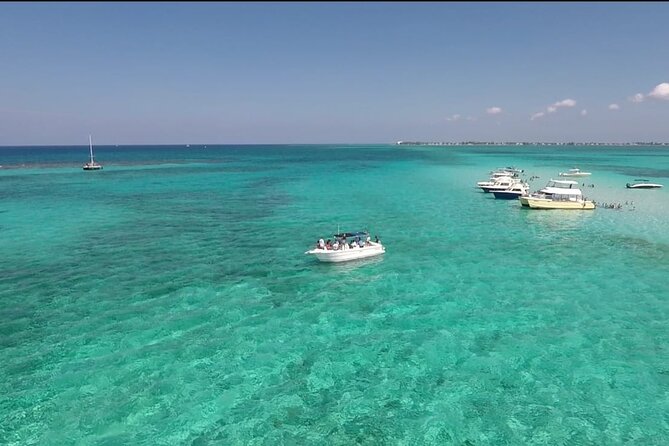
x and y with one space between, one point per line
512 192
92 164
574 173
643 184
560 187
501 173
557 194
502 183
556 201
347 246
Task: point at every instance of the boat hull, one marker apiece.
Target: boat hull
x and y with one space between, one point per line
544 203
505 195
524 200
644 186
494 188
345 255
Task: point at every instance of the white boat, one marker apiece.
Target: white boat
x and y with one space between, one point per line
501 183
643 184
500 173
560 187
575 173
576 202
92 165
558 194
347 246
513 192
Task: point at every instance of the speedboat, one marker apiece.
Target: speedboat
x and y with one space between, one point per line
347 246
513 192
574 173
558 194
643 184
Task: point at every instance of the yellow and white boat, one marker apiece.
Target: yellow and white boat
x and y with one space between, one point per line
558 194
560 202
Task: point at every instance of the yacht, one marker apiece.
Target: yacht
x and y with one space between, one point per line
347 246
558 194
502 183
500 173
560 187
575 173
514 191
643 184
556 201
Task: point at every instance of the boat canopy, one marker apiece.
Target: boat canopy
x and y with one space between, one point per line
564 181
352 234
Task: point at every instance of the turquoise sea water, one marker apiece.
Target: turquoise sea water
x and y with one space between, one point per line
167 299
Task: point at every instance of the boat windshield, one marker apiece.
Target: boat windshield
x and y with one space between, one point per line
562 184
352 234
565 197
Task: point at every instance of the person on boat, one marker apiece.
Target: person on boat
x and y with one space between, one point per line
335 245
376 239
321 244
368 242
328 244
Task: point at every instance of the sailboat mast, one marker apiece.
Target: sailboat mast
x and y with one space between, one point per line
90 145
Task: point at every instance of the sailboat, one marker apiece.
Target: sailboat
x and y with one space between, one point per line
92 165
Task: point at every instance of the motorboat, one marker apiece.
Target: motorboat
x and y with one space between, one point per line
501 183
643 184
560 187
500 173
347 246
575 173
558 194
556 201
514 191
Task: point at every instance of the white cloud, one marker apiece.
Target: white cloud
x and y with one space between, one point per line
469 118
493 110
584 112
565 103
637 98
614 107
553 108
661 91
453 118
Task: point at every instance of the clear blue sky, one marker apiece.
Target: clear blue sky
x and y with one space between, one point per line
236 73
